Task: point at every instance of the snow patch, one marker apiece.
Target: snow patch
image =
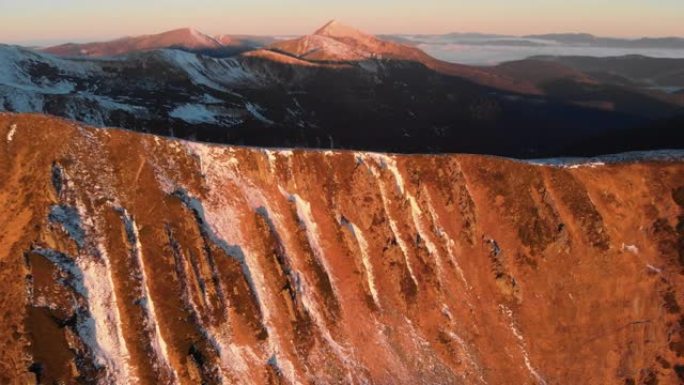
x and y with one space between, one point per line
19 100
385 202
416 215
521 342
654 269
627 157
110 104
194 114
67 264
218 168
12 131
391 165
255 110
466 350
208 99
109 344
13 61
367 265
97 323
450 244
70 219
306 217
630 248
218 74
158 343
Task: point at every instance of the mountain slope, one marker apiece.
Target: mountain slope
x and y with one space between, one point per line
129 258
605 83
645 71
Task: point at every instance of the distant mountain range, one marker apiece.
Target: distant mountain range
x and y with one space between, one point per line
596 41
628 70
193 40
342 88
571 39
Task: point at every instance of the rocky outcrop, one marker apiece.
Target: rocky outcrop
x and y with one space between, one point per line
132 259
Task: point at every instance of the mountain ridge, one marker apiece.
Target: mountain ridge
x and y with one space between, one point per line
131 258
187 38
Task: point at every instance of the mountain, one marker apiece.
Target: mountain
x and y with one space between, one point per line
588 39
624 84
541 72
549 40
129 258
92 91
392 98
336 42
646 71
569 38
187 39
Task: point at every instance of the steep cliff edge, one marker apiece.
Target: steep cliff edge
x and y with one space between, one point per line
133 259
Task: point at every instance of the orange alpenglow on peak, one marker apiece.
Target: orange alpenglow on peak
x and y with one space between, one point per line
338 42
337 29
188 38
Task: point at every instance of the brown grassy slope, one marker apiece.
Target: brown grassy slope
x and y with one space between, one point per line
210 264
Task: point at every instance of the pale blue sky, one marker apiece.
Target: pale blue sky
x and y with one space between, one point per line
58 20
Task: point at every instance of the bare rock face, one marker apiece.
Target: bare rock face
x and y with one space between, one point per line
131 259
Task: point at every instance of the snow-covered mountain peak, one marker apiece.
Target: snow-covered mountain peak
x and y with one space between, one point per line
334 42
322 48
